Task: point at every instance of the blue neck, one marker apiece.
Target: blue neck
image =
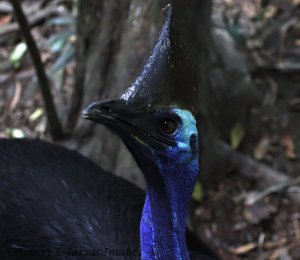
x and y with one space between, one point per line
165 210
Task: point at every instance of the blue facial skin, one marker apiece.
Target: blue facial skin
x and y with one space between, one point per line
169 188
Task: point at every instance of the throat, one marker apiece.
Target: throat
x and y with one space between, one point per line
163 222
162 234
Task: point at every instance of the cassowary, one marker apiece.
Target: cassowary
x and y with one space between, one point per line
55 203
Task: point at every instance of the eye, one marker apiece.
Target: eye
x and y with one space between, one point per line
168 126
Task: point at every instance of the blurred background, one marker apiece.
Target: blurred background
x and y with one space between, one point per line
246 204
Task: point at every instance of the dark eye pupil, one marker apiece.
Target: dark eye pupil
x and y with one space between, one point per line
168 126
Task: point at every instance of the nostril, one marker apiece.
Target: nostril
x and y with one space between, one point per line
105 108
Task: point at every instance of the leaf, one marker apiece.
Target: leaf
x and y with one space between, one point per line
277 243
235 30
58 45
16 97
237 135
288 144
66 56
262 148
36 114
58 79
17 54
57 42
14 133
243 249
198 192
62 21
18 133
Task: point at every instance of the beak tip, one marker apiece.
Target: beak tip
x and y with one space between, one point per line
86 113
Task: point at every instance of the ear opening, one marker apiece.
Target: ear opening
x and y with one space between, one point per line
194 144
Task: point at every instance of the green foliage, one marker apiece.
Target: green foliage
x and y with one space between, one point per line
17 54
57 42
235 29
62 21
237 135
36 114
14 133
61 42
198 192
67 55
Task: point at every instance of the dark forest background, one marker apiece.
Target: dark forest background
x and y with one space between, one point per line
246 203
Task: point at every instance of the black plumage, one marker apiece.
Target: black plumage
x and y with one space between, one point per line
51 197
55 200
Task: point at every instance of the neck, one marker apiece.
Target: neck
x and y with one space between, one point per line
164 216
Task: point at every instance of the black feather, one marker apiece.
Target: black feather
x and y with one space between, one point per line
55 200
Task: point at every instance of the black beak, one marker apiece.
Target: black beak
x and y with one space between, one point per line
97 111
121 118
114 114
